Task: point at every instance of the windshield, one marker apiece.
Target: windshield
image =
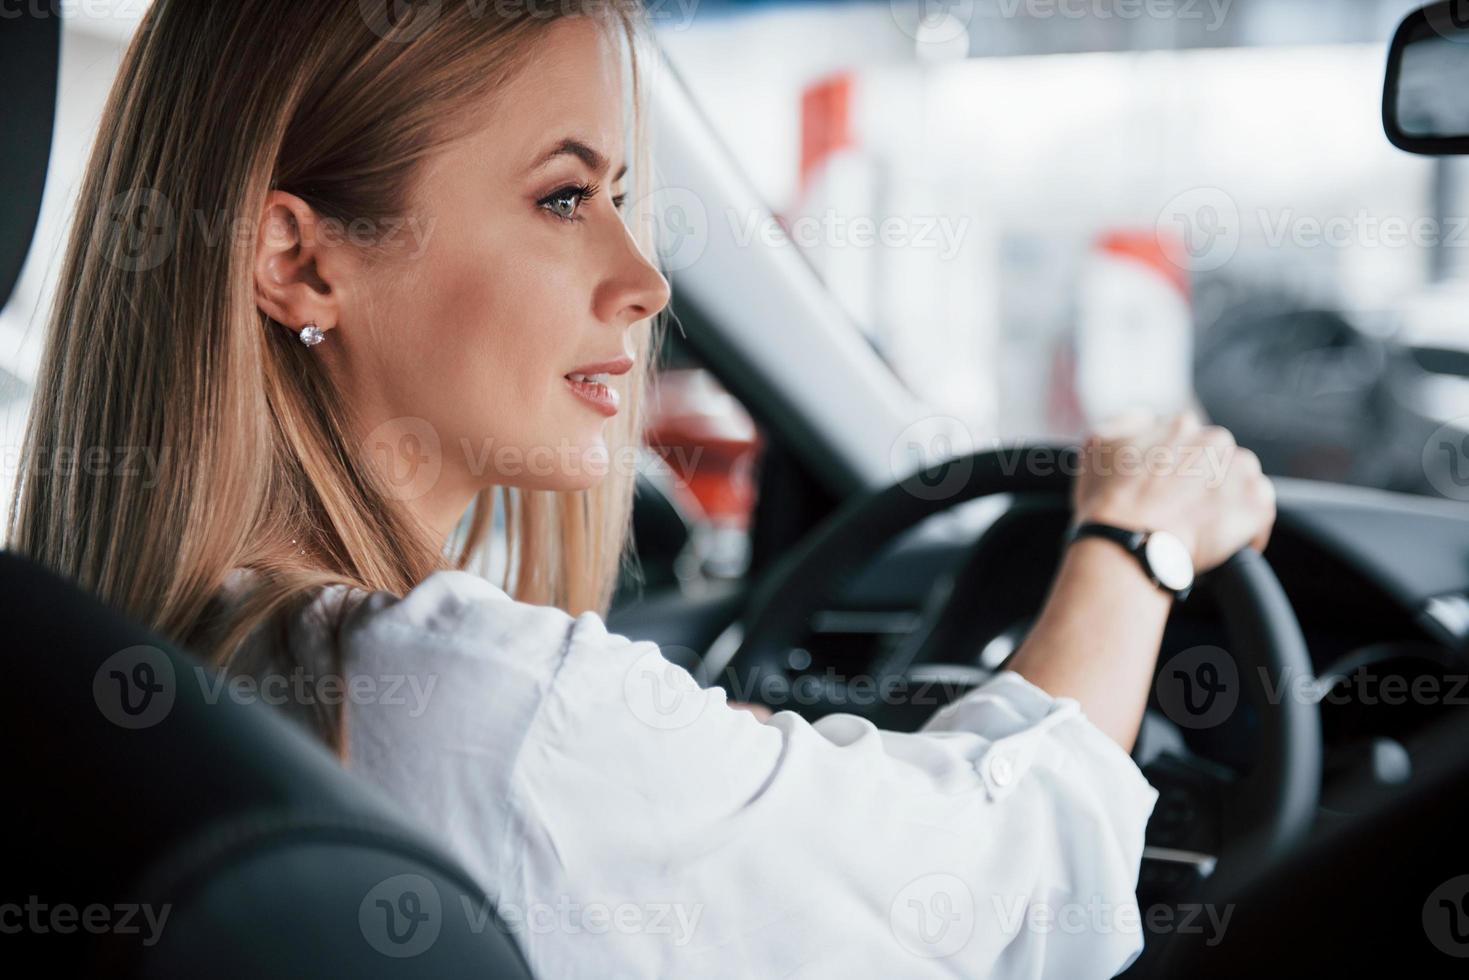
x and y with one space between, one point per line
1041 214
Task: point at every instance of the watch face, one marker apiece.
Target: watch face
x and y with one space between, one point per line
1169 561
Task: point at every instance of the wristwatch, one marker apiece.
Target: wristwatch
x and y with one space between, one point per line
1163 556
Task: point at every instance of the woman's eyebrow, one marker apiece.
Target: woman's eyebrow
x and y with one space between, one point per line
587 154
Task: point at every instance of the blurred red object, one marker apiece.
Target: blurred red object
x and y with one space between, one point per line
709 442
1158 249
826 123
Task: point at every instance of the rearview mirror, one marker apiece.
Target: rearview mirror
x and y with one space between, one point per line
1425 97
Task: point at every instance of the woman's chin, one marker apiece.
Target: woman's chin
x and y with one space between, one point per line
595 463
585 467
556 465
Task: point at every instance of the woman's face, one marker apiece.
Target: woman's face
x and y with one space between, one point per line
525 273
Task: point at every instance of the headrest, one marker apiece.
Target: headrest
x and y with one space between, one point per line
30 50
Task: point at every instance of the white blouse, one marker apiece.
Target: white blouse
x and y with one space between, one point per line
627 823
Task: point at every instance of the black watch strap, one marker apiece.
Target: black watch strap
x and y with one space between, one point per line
1133 541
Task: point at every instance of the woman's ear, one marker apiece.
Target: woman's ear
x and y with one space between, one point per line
297 273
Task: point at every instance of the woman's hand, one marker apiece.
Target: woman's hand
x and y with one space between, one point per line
1177 475
1098 636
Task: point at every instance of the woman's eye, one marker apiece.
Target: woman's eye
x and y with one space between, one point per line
563 203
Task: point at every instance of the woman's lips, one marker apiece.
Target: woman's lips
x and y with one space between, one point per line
600 397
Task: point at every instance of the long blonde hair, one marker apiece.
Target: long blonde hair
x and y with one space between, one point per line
156 345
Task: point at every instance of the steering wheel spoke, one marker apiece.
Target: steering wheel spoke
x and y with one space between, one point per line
1185 833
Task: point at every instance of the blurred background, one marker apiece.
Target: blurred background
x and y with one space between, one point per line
1099 203
1038 212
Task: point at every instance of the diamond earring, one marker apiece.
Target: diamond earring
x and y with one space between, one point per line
311 335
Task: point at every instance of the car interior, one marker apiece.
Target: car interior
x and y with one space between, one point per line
1328 826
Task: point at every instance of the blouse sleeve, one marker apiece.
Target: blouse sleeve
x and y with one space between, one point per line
1002 840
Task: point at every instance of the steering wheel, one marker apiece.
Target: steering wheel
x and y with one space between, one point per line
1262 813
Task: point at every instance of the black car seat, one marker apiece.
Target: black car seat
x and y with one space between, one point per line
151 829
207 837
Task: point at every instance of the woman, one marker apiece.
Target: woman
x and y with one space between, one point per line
344 277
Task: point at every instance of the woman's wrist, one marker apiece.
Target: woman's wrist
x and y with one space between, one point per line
1106 572
1097 638
1139 519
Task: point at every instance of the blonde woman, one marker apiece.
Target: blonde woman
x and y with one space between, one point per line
306 234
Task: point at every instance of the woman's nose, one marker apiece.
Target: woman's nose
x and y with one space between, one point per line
635 289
